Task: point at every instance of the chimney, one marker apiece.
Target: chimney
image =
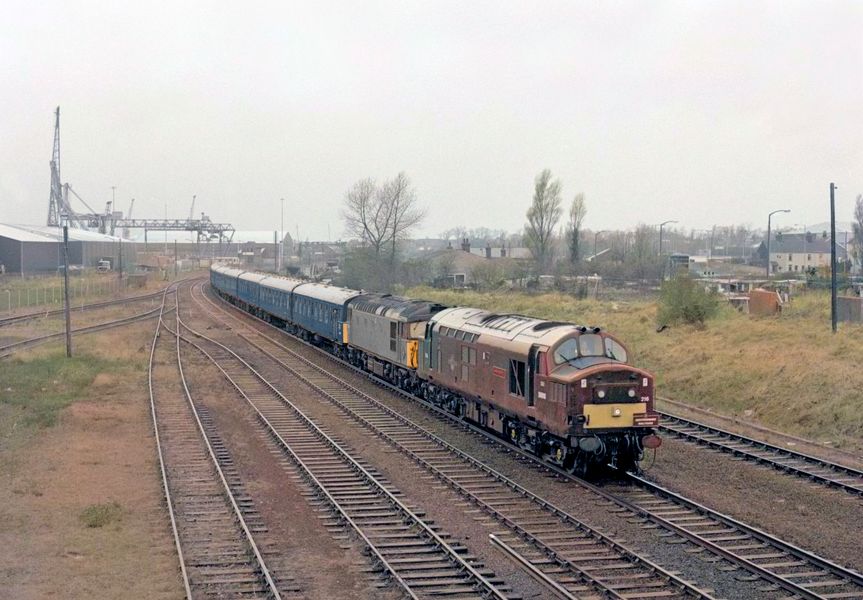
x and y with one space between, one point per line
488 250
465 245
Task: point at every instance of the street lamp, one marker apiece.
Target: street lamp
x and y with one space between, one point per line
770 216
596 235
661 225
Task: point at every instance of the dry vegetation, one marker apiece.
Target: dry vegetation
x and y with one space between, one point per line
80 512
788 372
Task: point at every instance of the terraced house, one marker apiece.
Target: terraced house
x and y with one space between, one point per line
799 252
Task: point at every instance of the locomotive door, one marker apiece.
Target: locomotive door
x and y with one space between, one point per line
531 372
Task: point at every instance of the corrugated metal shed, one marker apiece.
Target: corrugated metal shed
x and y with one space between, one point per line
38 248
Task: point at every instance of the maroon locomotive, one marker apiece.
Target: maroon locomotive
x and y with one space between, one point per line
557 389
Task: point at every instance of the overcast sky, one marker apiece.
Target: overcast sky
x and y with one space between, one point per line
704 112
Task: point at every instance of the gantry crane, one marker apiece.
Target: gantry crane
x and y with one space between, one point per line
60 211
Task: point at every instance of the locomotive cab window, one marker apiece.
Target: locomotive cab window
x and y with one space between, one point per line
614 350
590 344
567 351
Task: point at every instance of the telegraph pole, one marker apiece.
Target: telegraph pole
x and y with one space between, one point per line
175 259
833 301
66 312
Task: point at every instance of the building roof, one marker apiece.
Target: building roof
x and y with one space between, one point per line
797 243
43 233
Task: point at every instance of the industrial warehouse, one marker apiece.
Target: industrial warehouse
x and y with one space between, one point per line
33 249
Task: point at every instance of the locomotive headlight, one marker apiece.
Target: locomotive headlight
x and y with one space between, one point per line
615 412
631 393
600 394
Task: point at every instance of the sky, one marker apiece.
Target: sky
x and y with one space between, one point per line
701 112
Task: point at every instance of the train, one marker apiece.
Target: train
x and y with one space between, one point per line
565 392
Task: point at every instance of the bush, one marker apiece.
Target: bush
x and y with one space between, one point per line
99 515
684 300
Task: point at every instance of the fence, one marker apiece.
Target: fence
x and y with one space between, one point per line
51 296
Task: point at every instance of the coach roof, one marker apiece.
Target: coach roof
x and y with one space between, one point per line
285 284
226 270
326 293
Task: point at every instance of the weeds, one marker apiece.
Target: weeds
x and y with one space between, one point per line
34 391
99 515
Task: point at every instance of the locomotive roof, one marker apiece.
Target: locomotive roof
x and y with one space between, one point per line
396 307
504 326
326 293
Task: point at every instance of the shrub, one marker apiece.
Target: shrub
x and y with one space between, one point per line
684 300
99 515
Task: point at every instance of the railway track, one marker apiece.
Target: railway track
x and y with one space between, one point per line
212 519
59 311
563 553
792 569
423 561
809 467
9 349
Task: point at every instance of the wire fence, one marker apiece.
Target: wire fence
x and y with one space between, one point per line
13 298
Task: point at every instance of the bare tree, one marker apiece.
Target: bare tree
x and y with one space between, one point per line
381 216
577 212
404 213
456 233
857 228
542 218
641 259
367 215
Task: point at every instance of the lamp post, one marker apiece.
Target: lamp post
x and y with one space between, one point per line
596 235
661 226
769 217
282 234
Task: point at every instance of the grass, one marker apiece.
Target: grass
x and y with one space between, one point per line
99 515
787 372
35 389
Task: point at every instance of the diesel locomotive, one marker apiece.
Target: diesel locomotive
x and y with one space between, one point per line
562 391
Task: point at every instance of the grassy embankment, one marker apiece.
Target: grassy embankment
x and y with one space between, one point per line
34 390
789 371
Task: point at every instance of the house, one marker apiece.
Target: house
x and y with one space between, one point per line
800 252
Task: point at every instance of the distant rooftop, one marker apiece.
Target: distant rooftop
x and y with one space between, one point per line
43 233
